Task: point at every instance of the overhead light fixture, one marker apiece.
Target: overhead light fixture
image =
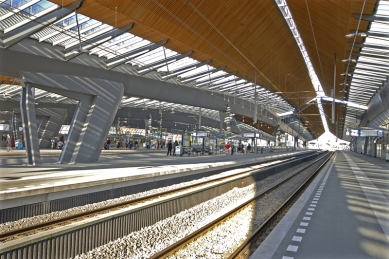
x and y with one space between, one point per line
359 34
344 84
349 60
82 50
348 74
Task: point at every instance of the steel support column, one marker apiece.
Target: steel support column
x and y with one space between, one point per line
51 126
98 101
27 107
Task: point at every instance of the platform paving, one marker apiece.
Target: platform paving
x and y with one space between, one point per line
21 184
343 214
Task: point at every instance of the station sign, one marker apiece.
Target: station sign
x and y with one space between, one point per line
200 134
366 133
371 133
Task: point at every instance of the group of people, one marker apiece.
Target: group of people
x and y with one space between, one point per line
230 148
121 144
57 143
171 146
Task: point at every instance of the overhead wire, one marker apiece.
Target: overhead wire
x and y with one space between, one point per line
314 38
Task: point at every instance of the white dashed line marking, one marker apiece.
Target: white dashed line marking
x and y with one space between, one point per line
297 238
292 248
313 203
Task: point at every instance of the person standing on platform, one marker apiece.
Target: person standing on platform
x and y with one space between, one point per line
169 148
248 148
232 148
174 147
53 143
227 147
108 143
9 143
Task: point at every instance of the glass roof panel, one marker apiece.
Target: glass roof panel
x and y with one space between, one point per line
64 33
371 70
18 17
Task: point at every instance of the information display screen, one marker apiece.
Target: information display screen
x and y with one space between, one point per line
248 135
200 134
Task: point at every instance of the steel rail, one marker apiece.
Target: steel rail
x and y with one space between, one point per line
279 211
52 223
182 242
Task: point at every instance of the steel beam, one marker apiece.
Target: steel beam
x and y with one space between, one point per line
98 100
367 55
368 76
373 34
34 26
135 86
373 64
182 70
160 63
52 125
361 83
363 80
363 45
215 79
372 18
96 41
221 84
201 74
116 61
234 87
375 71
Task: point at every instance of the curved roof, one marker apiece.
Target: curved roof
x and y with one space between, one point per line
227 46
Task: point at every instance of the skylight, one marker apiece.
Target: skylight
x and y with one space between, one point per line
283 6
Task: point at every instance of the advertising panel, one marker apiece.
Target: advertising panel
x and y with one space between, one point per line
132 131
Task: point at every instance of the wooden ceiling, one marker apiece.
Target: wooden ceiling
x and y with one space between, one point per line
258 125
247 36
310 117
244 35
8 80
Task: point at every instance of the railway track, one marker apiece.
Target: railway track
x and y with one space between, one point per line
61 221
256 236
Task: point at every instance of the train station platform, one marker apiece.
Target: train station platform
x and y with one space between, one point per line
21 184
343 214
